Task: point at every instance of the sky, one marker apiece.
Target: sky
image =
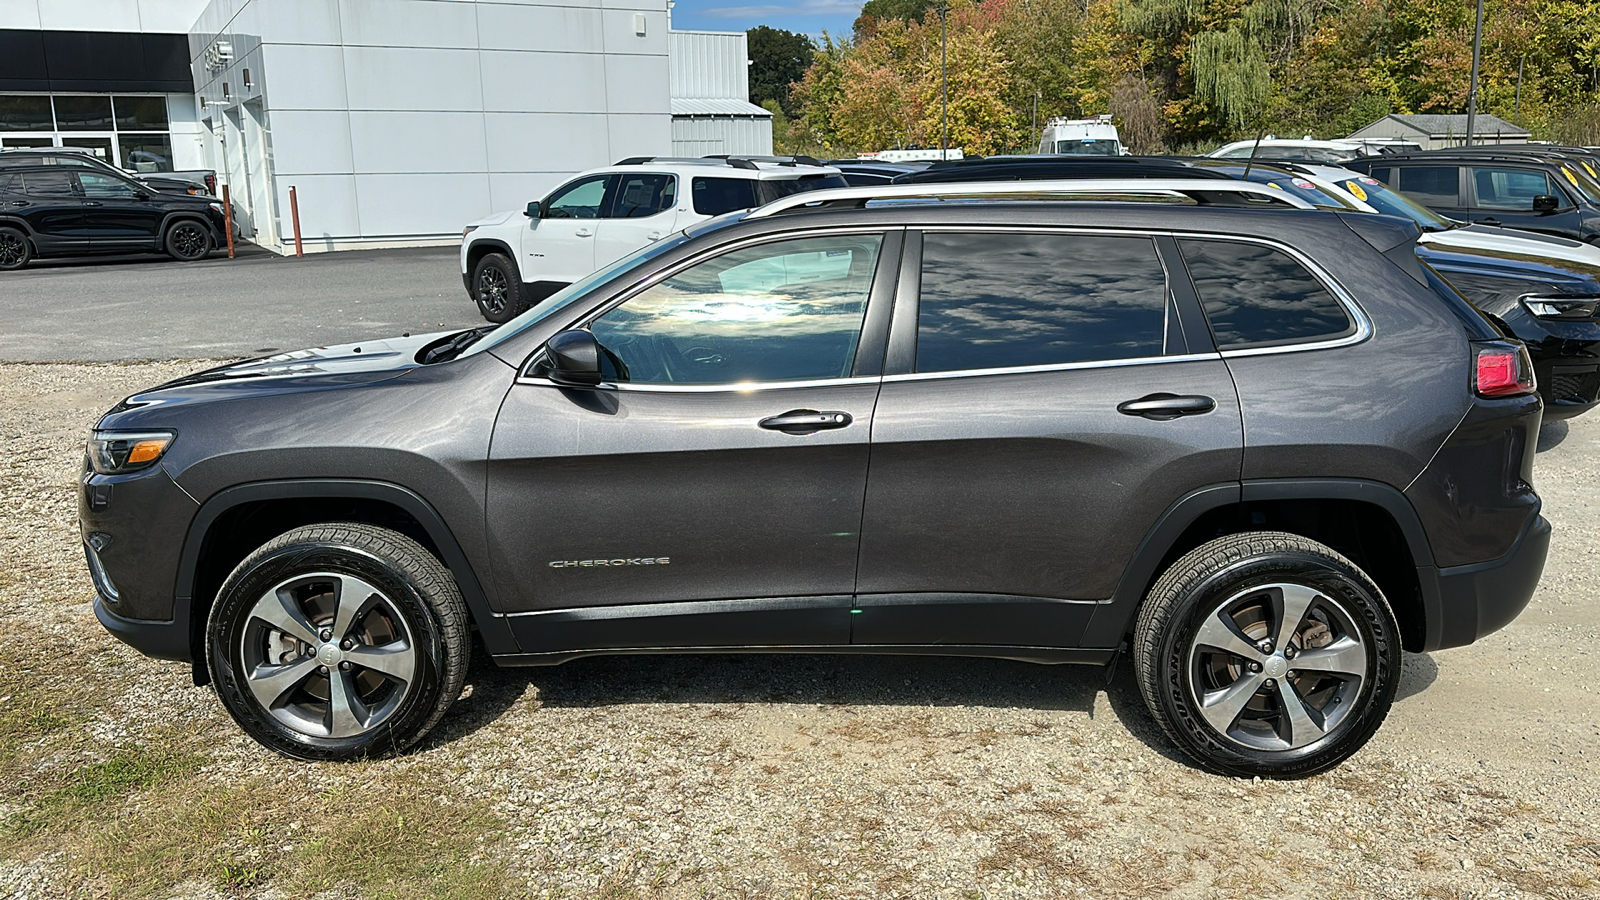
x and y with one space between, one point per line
805 16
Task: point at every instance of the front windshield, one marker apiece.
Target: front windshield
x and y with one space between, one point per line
1578 178
1293 185
564 297
1394 203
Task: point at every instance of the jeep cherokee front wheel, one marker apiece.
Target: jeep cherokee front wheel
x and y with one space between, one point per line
1267 654
338 641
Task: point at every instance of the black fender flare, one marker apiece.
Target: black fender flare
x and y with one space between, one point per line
19 224
1113 619
492 627
192 214
494 245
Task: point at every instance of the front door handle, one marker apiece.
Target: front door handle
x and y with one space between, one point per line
583 232
805 421
93 203
1164 406
1488 220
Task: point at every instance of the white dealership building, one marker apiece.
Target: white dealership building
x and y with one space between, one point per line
395 121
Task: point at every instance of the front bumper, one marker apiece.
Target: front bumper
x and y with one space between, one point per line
1465 603
161 640
132 527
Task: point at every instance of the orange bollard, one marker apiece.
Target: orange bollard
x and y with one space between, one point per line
294 213
227 219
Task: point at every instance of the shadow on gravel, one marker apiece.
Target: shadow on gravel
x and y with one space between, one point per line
1417 672
911 681
1551 434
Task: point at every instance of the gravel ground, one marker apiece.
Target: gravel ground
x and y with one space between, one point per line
814 776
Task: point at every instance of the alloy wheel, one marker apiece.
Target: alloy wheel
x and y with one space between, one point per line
13 250
1277 667
328 655
492 289
188 241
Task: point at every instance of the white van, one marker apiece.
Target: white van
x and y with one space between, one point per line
1082 137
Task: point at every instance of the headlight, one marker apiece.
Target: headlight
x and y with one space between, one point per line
217 207
117 452
468 230
1558 307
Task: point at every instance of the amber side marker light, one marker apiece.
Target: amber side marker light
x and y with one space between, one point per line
113 453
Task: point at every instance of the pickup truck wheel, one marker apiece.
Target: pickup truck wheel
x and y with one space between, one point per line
338 641
497 288
15 251
188 241
1267 654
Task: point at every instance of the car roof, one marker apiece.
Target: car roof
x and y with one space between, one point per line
750 168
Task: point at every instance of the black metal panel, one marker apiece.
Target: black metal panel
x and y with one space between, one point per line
94 61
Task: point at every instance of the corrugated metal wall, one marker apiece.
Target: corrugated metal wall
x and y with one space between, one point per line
709 64
706 136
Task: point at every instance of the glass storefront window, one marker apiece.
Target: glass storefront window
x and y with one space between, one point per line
145 152
83 113
141 113
23 112
14 141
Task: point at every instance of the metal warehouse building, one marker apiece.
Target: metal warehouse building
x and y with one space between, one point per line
396 120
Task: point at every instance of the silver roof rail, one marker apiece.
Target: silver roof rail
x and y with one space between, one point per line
1191 188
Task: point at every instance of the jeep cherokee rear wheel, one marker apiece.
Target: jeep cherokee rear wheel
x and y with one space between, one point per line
338 641
1267 654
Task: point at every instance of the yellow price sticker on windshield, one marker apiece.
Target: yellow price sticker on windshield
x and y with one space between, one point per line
1590 168
1354 188
1570 177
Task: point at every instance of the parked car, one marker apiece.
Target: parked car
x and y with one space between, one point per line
860 172
1543 289
1257 449
1044 167
512 260
1095 136
1527 190
197 182
49 210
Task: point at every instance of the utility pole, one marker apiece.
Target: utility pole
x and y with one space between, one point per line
1472 89
1516 110
1035 112
944 86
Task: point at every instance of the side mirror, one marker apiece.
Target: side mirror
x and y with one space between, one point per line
574 358
535 210
1546 203
141 195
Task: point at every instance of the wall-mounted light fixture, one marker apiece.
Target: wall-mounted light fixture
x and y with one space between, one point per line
225 92
247 82
638 24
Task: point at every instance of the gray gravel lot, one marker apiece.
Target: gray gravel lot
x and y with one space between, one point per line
141 308
842 777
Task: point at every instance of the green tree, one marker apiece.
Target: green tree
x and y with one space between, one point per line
778 59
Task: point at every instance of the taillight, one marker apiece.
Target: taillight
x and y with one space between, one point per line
1502 370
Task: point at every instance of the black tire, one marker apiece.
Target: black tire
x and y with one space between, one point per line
15 249
497 288
1289 723
414 622
188 240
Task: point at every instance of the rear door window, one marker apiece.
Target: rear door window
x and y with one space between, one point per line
1512 189
642 195
715 196
1432 185
1259 296
1004 300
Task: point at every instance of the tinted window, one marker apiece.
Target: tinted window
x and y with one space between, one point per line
25 113
1001 300
715 196
141 113
784 311
1431 185
644 195
105 186
1509 188
1381 173
10 183
83 113
1257 295
579 200
783 187
45 183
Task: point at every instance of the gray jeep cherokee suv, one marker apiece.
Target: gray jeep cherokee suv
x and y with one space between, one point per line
1259 450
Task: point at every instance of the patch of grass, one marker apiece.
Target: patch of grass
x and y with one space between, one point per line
87 790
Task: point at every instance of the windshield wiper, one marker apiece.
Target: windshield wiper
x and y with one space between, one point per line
452 346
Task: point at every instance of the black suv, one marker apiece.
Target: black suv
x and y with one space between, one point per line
48 209
1256 449
1534 189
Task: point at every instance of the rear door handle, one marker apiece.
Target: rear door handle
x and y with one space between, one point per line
1164 406
583 232
93 203
806 421
19 203
1489 220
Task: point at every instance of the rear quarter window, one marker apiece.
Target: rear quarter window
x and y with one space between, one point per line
715 196
1259 296
1431 185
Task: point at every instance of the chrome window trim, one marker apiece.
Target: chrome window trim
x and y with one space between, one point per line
1053 367
735 388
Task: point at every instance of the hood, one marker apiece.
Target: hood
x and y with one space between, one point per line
499 218
317 369
1508 240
